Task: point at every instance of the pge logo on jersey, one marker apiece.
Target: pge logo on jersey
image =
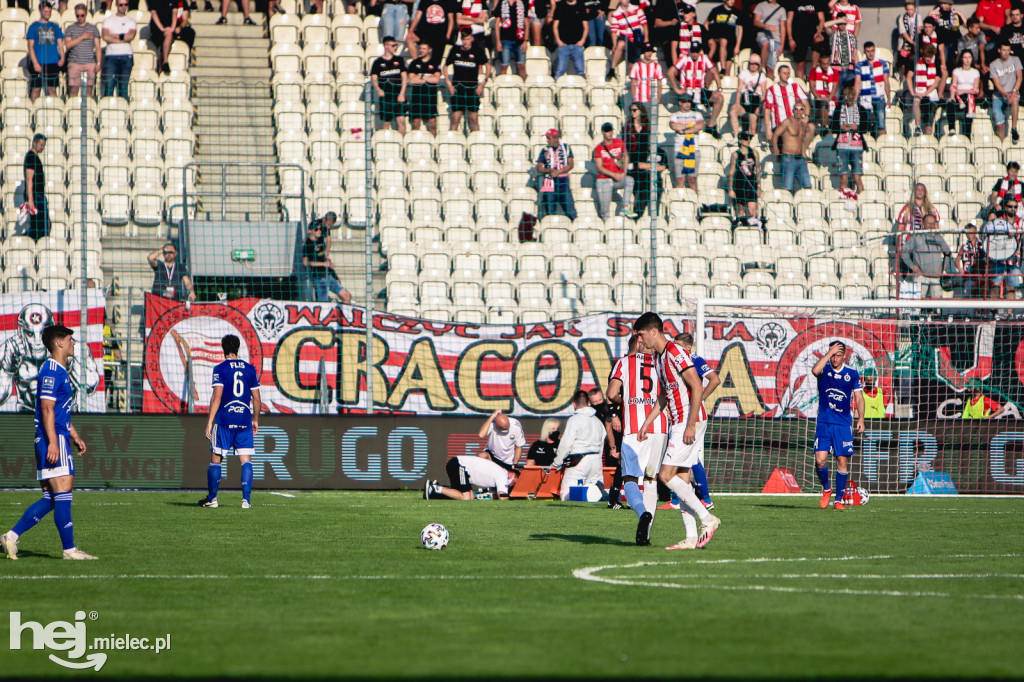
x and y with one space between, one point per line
73 639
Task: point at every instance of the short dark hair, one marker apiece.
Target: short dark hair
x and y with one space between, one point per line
388 39
685 337
973 21
648 321
868 44
1013 165
580 398
37 137
53 333
634 341
230 343
931 20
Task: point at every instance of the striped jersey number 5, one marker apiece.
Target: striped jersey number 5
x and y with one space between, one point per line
645 378
238 385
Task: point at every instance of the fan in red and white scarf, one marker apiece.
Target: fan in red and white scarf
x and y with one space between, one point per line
507 19
1009 186
926 76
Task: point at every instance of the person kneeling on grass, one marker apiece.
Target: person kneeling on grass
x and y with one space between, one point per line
467 472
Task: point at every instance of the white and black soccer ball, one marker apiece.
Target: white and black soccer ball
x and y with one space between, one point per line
864 495
434 536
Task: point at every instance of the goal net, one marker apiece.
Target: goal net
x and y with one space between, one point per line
944 390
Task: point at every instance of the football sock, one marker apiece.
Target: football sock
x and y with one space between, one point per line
700 481
62 519
213 481
634 497
34 514
823 477
246 480
650 493
840 484
690 524
688 497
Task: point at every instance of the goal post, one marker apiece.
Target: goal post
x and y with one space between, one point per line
945 382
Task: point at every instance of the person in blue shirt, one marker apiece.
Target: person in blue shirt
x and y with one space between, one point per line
235 409
711 381
55 467
838 387
45 53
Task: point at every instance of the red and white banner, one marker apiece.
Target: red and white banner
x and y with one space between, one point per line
437 368
23 317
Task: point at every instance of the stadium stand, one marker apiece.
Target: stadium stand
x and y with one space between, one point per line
444 210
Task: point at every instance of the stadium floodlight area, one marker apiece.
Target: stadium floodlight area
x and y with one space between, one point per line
945 388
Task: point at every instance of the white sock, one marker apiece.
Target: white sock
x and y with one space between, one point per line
688 497
691 526
650 492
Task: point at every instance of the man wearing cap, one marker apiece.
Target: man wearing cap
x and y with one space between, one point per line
35 190
612 160
646 76
839 388
465 87
554 163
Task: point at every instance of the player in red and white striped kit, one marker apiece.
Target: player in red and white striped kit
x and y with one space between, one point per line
681 393
634 383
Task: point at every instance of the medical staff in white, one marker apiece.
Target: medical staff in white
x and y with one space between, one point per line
581 447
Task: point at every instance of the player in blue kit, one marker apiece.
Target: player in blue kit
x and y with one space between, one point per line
838 386
235 408
55 467
711 381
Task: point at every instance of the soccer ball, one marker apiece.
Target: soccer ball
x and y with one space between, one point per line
864 495
434 536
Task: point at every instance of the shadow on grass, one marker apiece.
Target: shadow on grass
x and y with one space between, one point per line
782 506
581 539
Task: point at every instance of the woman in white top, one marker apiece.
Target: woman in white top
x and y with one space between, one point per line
964 90
749 97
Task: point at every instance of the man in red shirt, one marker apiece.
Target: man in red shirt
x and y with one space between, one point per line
993 14
824 82
612 162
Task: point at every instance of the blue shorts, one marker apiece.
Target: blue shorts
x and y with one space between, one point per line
228 438
65 466
834 438
1008 273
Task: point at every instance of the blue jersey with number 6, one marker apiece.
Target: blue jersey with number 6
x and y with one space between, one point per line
238 379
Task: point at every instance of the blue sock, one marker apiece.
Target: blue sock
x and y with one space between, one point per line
635 498
823 477
246 480
62 519
213 481
700 482
840 485
34 514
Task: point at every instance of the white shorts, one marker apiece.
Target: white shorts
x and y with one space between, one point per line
679 454
643 459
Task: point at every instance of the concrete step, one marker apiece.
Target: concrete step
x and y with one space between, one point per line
235 18
240 49
231 73
209 32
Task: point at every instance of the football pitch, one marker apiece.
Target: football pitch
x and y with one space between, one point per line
335 585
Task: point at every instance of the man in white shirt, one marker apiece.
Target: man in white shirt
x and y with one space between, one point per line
581 447
118 32
467 472
505 439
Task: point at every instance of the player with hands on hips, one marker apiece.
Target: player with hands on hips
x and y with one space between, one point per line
839 389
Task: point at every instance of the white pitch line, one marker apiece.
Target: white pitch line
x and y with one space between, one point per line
589 575
282 494
847 576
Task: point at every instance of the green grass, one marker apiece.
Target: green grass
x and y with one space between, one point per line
334 584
